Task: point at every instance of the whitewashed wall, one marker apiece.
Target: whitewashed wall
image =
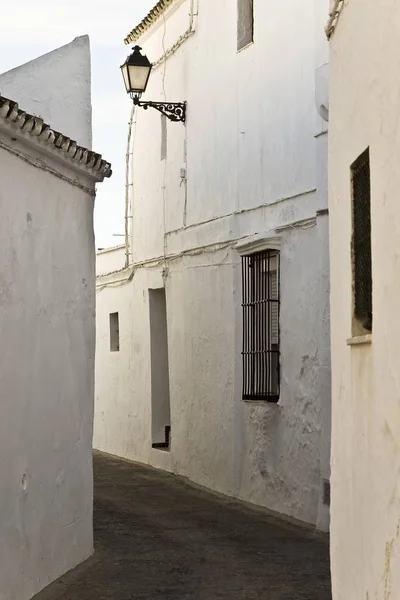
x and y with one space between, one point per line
364 111
109 260
47 376
47 324
250 158
57 87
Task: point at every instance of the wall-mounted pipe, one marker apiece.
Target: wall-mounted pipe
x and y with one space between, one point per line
128 185
194 11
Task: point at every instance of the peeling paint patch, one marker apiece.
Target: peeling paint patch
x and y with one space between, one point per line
387 573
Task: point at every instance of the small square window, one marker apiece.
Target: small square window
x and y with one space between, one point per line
114 332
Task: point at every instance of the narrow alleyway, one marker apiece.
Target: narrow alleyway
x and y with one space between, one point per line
159 538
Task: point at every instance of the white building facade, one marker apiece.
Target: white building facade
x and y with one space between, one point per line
213 350
364 179
47 324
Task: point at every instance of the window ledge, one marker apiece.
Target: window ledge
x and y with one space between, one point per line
239 50
358 340
258 243
263 402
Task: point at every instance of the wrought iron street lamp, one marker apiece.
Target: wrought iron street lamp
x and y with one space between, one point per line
136 72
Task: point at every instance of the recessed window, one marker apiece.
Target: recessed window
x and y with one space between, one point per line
261 345
361 245
160 399
114 332
245 23
164 133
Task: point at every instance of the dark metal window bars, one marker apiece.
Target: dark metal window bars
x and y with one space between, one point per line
261 344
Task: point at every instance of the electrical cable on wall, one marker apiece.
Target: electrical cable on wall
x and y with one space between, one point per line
164 194
302 224
188 33
128 185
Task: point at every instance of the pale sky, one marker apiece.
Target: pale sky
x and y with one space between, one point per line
29 29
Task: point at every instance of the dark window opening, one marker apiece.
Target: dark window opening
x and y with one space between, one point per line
114 332
362 255
245 23
261 344
160 398
326 492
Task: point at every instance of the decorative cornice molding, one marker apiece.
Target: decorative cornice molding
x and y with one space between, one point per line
62 146
258 243
148 21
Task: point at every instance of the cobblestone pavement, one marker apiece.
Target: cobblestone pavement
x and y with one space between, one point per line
159 538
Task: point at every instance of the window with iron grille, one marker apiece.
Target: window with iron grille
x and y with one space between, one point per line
261 302
362 256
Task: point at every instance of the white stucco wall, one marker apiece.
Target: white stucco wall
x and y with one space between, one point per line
250 156
47 373
56 87
109 260
47 323
364 111
321 9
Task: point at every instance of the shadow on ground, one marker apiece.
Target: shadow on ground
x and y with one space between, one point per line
159 538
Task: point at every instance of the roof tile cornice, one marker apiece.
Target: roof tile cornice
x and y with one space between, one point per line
86 159
148 21
334 17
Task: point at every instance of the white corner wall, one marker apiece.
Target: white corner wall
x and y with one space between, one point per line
56 87
47 324
364 112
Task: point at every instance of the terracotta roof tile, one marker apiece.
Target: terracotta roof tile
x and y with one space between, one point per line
148 21
334 15
36 127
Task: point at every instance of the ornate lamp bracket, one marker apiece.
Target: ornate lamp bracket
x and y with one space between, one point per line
174 111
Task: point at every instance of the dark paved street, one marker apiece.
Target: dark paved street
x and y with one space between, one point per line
159 538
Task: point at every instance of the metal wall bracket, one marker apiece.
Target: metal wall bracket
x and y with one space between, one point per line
174 111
